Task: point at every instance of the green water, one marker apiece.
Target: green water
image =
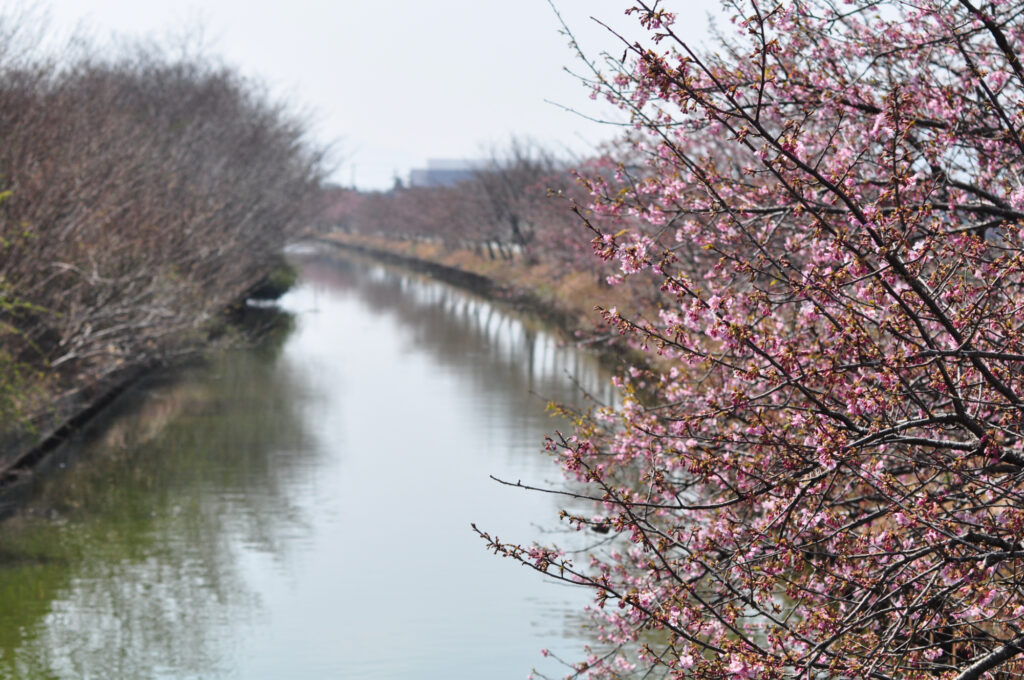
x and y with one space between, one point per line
301 509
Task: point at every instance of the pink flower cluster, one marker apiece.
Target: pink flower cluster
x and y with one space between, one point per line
820 472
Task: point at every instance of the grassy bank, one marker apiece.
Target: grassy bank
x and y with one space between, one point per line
569 299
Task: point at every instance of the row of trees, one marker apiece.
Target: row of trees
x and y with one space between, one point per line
824 478
139 196
513 206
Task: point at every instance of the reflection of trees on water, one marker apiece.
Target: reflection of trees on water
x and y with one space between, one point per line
498 350
130 565
119 565
495 353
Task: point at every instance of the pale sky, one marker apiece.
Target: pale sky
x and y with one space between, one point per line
391 84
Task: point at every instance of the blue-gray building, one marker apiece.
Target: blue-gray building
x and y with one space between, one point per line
444 172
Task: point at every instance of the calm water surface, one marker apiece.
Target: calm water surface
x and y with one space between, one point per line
302 509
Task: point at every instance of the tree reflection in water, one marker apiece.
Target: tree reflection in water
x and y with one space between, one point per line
261 516
122 561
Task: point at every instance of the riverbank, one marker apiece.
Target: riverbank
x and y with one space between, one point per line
27 444
564 300
568 300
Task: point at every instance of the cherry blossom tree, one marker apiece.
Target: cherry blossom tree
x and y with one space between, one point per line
820 473
512 186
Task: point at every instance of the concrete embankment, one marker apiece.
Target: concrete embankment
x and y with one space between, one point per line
26 446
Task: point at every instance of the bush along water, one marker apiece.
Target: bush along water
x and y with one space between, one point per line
140 197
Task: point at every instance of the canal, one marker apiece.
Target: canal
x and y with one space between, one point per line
302 508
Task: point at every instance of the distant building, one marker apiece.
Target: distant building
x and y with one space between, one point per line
444 172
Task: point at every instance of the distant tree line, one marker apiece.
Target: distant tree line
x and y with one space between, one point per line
515 205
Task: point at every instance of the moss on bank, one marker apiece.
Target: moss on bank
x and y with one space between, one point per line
278 281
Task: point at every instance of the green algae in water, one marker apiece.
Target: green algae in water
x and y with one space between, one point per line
119 561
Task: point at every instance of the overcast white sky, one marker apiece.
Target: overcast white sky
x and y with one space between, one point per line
394 83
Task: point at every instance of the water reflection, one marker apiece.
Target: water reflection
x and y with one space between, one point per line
302 509
126 563
472 336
